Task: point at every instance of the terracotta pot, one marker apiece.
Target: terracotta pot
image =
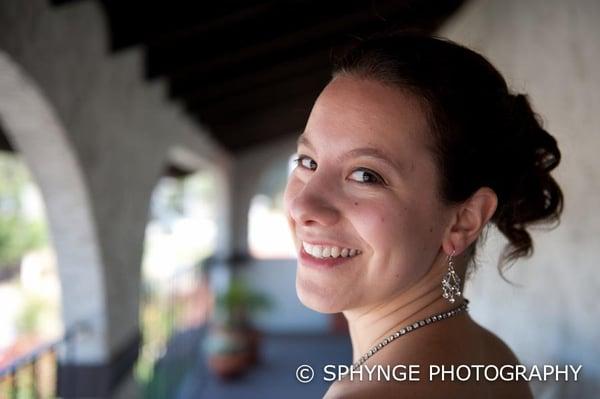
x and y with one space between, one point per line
254 338
229 365
239 352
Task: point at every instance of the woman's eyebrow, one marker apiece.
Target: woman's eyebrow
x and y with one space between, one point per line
361 151
303 140
373 153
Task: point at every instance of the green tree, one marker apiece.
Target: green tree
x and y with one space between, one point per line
18 234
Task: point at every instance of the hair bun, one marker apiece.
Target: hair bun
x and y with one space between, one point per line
482 135
533 195
528 126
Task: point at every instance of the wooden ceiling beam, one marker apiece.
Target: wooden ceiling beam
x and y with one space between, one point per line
204 89
293 49
251 130
134 22
289 28
251 71
256 101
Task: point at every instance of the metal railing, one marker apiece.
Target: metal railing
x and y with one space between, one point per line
172 312
34 375
172 309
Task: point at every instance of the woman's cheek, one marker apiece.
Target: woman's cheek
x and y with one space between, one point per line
374 222
393 230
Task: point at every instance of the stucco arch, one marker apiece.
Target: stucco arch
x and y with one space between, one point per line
33 127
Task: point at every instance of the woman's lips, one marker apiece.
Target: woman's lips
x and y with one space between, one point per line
328 262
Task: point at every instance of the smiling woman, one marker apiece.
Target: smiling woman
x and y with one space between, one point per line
410 150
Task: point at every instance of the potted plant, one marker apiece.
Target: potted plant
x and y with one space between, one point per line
232 342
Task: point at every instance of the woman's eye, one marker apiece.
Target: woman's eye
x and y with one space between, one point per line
361 175
305 162
367 176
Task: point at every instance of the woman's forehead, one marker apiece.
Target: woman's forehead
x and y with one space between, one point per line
365 113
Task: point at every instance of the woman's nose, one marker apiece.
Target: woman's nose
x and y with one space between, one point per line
314 205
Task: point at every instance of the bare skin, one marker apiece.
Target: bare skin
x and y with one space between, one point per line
453 341
367 180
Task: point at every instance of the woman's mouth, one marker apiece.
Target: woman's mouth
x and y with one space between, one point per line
325 255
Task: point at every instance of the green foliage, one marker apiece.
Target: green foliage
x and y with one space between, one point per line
18 234
201 185
17 237
28 320
234 306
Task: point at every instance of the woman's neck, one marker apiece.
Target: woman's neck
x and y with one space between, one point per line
369 325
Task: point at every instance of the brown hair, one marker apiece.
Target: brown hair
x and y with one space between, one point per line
483 135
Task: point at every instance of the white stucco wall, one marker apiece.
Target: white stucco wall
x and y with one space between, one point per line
120 129
549 49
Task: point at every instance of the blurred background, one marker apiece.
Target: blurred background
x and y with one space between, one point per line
144 150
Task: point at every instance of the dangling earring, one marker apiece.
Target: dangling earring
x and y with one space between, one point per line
451 281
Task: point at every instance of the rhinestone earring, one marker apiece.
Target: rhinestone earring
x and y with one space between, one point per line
451 281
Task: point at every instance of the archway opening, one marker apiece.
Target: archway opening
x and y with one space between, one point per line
180 235
268 230
29 279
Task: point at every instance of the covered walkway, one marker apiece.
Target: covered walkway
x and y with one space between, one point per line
102 99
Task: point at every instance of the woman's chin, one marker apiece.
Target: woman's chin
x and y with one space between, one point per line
315 299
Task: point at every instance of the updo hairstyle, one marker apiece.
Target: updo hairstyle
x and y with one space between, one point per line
481 134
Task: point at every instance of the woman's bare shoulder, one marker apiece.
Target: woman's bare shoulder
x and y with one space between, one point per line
490 348
472 344
361 389
399 390
427 389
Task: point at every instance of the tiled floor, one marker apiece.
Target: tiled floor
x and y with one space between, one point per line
275 375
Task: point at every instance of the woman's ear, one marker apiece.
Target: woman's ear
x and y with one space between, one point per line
469 220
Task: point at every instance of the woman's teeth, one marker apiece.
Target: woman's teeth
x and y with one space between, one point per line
322 251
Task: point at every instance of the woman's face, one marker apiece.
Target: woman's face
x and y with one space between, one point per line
365 180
